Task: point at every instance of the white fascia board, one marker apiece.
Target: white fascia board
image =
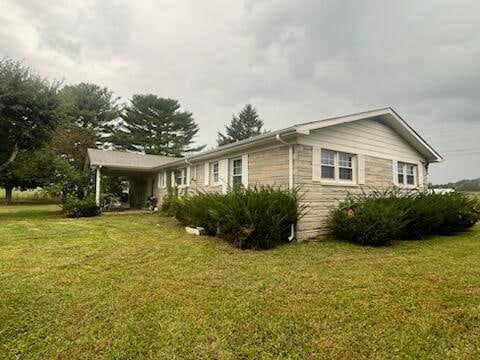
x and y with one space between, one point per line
306 128
236 147
435 156
393 119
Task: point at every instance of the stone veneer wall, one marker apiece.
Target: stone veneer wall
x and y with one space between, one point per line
270 166
320 198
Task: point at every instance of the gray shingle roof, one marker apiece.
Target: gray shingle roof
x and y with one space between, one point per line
122 159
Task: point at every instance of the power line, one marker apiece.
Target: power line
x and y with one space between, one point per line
464 149
460 154
449 128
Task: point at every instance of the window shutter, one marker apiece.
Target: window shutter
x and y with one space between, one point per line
395 172
223 174
173 178
317 164
245 170
361 169
206 168
159 180
420 174
187 183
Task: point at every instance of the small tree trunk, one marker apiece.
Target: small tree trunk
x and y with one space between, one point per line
8 194
12 157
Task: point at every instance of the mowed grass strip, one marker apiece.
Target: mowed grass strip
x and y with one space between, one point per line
136 286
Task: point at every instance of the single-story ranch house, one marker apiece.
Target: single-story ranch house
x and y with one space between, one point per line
328 159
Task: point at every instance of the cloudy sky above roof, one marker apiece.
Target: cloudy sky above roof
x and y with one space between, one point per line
296 61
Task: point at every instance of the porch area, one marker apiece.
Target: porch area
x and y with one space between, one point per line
138 170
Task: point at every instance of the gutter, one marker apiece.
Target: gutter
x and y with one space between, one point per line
230 148
290 177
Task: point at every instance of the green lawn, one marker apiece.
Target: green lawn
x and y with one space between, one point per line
27 196
136 286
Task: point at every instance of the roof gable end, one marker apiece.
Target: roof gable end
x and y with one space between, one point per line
387 116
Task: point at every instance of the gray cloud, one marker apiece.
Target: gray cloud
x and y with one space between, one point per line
296 60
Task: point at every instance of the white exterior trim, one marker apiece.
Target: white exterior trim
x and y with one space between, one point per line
188 176
206 174
386 115
361 169
245 170
317 168
223 174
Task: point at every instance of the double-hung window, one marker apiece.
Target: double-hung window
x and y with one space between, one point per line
328 164
214 173
337 166
407 174
181 177
236 172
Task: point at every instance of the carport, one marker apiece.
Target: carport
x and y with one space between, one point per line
138 168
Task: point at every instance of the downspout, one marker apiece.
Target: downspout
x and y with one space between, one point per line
290 177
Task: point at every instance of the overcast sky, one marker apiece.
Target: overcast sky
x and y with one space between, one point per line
296 61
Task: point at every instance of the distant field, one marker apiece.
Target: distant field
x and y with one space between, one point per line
35 195
475 193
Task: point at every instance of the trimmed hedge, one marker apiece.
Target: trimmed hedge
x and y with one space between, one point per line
380 217
75 208
254 218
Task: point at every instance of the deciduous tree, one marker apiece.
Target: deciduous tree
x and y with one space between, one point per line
29 110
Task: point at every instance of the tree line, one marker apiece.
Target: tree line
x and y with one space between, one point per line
462 185
46 128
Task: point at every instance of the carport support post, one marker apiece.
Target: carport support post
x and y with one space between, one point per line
97 186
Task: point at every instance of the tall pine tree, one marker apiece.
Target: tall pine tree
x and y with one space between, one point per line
156 125
243 126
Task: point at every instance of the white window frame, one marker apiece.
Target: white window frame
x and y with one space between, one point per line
164 179
231 169
214 174
336 166
183 177
403 166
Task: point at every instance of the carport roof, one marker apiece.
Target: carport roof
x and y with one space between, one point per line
121 160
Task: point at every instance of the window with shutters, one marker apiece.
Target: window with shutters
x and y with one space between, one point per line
214 173
181 177
236 172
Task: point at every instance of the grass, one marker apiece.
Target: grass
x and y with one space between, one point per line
27 196
136 286
475 193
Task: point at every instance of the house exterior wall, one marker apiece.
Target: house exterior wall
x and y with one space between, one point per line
269 167
379 147
320 198
368 137
376 147
266 166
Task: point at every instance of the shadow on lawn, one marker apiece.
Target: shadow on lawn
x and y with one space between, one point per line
15 212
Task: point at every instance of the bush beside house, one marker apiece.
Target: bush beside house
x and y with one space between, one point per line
379 218
254 218
75 208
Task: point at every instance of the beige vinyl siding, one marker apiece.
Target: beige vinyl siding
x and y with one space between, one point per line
366 137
